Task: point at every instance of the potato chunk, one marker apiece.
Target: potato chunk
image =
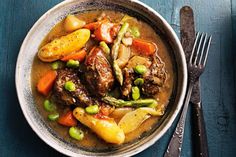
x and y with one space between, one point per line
108 130
64 45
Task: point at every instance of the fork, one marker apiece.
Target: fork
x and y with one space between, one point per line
196 66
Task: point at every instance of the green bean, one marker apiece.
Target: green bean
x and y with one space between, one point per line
135 93
70 86
116 45
53 117
93 109
72 63
76 133
118 72
135 31
140 69
139 81
133 103
48 106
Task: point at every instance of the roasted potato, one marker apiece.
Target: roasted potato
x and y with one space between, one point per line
64 45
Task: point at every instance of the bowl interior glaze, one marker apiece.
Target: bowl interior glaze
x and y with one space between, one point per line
41 28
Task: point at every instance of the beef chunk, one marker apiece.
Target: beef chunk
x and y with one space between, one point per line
128 80
98 72
155 77
78 97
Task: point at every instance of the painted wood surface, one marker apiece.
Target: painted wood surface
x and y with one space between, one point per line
216 17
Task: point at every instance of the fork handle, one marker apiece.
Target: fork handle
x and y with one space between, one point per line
199 131
175 146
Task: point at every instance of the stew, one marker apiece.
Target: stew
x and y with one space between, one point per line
102 78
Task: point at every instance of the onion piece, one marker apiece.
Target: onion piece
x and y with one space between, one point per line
134 119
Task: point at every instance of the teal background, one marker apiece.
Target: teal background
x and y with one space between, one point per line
218 83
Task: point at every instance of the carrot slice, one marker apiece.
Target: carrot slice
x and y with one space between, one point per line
102 33
92 26
46 82
75 56
67 119
144 47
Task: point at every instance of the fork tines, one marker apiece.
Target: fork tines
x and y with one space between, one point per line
200 51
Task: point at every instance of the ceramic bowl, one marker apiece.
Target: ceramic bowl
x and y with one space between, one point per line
41 28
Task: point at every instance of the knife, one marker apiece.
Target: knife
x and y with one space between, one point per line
187 32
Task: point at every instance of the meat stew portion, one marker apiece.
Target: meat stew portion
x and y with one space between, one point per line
98 72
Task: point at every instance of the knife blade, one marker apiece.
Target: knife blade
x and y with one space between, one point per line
187 32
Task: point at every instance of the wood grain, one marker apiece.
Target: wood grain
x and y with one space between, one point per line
218 83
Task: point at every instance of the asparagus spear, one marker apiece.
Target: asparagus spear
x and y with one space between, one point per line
106 50
114 52
115 47
133 103
118 72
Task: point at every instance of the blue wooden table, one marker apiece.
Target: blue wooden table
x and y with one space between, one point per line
217 17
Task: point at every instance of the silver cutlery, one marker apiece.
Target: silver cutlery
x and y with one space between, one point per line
199 136
196 66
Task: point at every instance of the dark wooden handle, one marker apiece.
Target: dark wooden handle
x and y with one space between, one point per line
199 132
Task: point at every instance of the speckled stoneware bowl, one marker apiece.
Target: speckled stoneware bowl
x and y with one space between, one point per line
40 29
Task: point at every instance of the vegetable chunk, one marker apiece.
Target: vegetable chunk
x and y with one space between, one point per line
108 130
67 119
60 47
132 120
144 47
72 23
46 82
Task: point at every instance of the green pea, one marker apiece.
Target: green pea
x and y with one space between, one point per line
93 109
139 81
76 133
140 69
53 117
56 65
70 86
135 93
72 63
135 31
48 106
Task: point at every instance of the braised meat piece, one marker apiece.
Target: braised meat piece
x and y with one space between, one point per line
128 80
98 72
78 97
129 74
155 77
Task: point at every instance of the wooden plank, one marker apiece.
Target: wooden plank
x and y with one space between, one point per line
233 10
218 82
17 138
214 17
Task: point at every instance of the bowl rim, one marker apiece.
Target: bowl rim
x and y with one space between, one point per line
133 151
